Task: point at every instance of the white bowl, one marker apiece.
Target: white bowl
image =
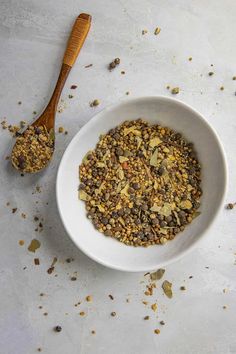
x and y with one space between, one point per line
108 251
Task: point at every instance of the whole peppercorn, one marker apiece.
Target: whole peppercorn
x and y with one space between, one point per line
58 329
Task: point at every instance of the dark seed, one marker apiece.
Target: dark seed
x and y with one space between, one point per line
169 219
156 222
163 224
119 152
58 329
117 61
108 233
144 207
104 221
136 186
112 65
161 170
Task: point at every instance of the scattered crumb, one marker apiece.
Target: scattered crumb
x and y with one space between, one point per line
66 132
157 331
89 298
122 72
145 302
154 307
146 318
144 31
14 210
234 77
19 102
39 349
127 93
182 288
45 314
127 300
225 290
94 103
69 260
222 88
34 245
190 58
191 276
162 323
93 332
73 87
111 297
157 31
175 90
57 329
82 313
70 96
60 130
224 307
41 294
88 66
8 203
211 73
230 205
52 266
34 112
21 242
36 261
40 307
113 314
168 87
36 218
22 123
23 215
73 278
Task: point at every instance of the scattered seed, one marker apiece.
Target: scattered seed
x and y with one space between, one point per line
21 242
146 318
175 90
93 332
89 298
182 288
162 323
94 103
82 313
157 331
88 66
73 87
19 102
70 96
222 88
157 31
111 297
73 278
122 72
127 93
58 329
60 130
36 261
210 73
45 314
224 307
144 31
168 87
234 77
14 210
190 58
230 205
113 314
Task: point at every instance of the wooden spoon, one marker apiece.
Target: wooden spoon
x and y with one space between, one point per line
76 40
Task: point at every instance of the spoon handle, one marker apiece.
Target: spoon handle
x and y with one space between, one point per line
77 37
76 40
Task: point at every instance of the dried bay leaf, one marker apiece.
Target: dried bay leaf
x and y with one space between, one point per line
133 130
167 288
186 204
155 142
157 275
100 164
125 190
83 195
196 214
123 159
153 159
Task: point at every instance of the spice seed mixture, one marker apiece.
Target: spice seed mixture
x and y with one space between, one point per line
33 149
141 184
